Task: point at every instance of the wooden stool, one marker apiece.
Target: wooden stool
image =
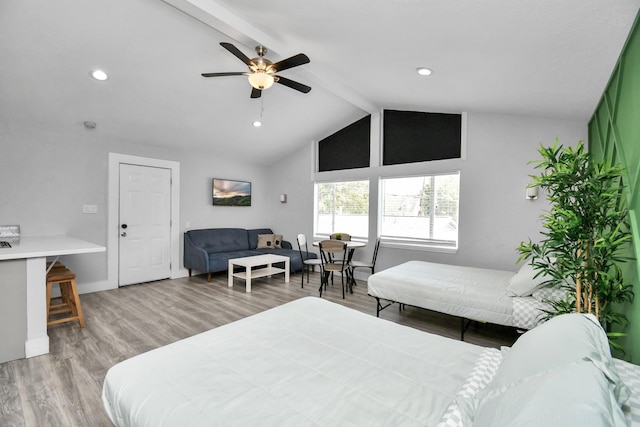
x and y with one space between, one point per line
69 300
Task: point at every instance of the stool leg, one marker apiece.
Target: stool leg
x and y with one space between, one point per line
49 286
76 302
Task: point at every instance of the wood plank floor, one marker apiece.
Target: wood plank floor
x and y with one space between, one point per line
64 387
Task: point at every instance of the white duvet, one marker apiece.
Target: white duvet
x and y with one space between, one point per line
472 293
306 363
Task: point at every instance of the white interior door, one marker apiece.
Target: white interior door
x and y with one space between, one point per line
144 224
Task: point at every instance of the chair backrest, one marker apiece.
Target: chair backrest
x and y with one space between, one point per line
341 236
302 241
375 252
330 248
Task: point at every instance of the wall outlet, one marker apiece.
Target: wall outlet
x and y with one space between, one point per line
90 209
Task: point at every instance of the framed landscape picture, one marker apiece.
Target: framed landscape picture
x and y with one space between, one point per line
227 192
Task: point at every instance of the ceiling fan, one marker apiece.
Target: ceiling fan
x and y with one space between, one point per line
262 72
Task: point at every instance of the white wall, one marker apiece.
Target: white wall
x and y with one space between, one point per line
494 214
46 177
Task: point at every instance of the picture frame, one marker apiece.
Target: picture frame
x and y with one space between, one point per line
228 192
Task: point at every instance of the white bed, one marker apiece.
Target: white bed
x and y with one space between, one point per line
309 363
478 294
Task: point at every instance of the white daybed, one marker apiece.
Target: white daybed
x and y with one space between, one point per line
315 363
480 294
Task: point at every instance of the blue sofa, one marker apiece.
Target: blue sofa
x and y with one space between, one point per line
209 250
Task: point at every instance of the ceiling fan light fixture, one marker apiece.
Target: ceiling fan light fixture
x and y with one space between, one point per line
261 80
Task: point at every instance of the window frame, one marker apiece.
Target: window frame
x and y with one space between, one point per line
323 235
407 242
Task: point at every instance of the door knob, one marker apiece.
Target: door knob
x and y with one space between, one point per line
123 234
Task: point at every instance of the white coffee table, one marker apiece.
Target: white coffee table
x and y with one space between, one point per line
254 261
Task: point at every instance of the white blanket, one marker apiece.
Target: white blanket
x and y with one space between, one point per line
472 293
309 362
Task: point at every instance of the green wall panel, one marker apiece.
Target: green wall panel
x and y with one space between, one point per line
614 134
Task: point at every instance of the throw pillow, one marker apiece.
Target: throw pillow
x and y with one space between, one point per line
277 241
266 241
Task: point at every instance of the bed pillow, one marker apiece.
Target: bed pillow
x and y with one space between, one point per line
550 293
564 339
545 350
265 241
524 282
577 394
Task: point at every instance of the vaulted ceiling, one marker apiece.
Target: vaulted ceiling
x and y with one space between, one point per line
533 57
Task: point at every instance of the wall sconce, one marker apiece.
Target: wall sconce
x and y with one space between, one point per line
283 198
532 193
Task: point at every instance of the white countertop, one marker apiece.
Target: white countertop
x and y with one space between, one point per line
43 246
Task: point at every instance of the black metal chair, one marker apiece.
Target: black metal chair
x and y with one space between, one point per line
333 254
308 263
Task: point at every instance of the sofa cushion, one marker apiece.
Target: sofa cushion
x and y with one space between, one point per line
220 261
215 240
253 236
266 241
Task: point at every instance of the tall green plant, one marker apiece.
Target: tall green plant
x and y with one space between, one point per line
584 234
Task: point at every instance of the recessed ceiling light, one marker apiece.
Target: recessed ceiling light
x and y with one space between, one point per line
99 75
423 71
257 123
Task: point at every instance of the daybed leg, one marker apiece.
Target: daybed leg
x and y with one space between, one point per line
463 327
208 277
189 272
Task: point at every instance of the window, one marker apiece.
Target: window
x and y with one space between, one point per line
342 207
420 210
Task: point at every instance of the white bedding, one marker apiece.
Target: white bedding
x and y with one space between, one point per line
308 362
311 362
467 292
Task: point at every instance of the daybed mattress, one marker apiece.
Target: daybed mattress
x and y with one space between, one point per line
472 293
308 362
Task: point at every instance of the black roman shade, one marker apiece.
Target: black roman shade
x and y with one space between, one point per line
410 136
346 149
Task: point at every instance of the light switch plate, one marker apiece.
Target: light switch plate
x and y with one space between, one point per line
90 209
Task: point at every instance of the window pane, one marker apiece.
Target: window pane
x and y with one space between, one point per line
342 207
422 209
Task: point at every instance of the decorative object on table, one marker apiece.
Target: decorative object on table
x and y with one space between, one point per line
340 236
585 234
262 72
9 234
227 192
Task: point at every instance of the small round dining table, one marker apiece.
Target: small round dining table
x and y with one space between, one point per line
352 245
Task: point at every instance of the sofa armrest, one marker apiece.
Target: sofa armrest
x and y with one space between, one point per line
195 258
286 245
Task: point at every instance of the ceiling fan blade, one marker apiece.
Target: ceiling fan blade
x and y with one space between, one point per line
294 61
256 93
235 51
224 74
293 85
